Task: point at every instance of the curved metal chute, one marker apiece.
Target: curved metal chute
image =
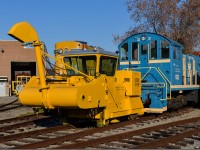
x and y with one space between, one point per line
23 32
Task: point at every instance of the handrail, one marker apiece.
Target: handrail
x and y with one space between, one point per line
167 81
161 74
153 83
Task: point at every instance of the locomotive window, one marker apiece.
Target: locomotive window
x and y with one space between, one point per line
135 51
179 53
124 51
176 53
144 48
107 65
85 64
153 51
164 49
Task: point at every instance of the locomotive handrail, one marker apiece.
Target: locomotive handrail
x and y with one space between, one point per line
167 81
153 83
161 74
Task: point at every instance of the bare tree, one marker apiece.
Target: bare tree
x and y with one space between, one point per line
176 19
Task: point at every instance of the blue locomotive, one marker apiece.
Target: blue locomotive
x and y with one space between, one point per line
170 78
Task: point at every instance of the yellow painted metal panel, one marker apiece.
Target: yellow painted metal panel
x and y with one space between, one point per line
131 80
24 32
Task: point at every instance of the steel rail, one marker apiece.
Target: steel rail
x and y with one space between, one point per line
33 133
73 137
171 139
119 137
21 124
17 118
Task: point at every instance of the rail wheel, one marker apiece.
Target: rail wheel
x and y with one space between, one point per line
102 123
132 117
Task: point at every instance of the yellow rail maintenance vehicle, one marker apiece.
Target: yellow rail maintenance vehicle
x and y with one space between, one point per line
88 84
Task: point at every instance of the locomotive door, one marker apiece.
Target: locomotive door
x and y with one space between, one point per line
144 50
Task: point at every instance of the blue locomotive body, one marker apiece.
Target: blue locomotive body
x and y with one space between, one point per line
170 79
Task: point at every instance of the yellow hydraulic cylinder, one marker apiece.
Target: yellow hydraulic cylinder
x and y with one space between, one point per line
37 46
41 71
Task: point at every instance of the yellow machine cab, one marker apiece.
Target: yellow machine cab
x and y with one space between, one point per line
88 62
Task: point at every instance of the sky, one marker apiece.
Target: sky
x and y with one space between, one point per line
92 21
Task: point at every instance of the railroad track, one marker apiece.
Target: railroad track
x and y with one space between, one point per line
153 137
7 123
11 105
23 125
68 137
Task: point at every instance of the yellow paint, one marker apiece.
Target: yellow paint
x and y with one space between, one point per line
63 46
23 32
131 80
83 94
69 45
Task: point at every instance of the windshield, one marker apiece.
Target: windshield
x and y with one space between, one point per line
85 64
107 65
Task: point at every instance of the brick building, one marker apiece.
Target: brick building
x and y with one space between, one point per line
15 59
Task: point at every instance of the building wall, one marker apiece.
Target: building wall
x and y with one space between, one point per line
13 51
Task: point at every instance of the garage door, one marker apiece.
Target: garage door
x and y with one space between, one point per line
2 88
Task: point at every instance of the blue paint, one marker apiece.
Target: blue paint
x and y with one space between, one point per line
161 63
